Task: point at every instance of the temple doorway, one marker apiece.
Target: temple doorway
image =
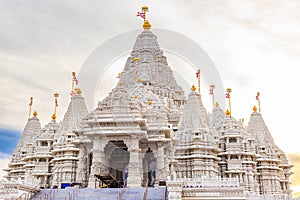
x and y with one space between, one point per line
117 156
149 168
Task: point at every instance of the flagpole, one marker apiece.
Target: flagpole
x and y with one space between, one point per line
258 101
198 72
229 99
73 83
56 95
145 9
30 107
212 87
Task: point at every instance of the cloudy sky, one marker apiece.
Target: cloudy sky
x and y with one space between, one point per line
255 46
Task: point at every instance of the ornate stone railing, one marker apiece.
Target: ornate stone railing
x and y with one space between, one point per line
206 182
269 197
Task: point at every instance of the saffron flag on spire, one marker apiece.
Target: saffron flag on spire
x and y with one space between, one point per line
30 103
211 89
56 104
198 74
227 95
72 93
119 75
141 14
75 79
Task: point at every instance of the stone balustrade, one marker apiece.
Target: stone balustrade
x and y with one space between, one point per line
206 182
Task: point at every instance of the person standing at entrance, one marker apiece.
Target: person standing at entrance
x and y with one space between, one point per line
125 175
152 172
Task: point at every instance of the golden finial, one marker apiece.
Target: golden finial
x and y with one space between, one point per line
139 80
254 109
145 8
56 95
135 96
35 113
120 83
146 25
217 105
136 59
227 112
53 117
193 88
150 102
78 90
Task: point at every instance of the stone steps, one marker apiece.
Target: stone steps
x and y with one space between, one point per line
102 194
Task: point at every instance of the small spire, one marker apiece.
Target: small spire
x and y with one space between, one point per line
228 112
135 96
150 102
254 109
217 105
193 88
35 113
139 80
54 117
120 83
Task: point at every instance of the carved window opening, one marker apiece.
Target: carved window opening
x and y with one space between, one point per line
232 140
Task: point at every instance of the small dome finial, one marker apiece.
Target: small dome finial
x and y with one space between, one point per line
146 25
254 109
139 80
217 105
78 90
193 88
120 83
227 112
35 113
53 116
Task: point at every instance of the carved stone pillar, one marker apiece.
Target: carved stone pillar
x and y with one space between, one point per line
134 170
174 190
81 165
161 173
99 165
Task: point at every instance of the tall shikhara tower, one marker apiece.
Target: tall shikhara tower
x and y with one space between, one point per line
147 133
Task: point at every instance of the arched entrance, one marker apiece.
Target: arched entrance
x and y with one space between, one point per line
117 156
149 168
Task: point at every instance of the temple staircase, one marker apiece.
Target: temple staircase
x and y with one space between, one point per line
70 193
